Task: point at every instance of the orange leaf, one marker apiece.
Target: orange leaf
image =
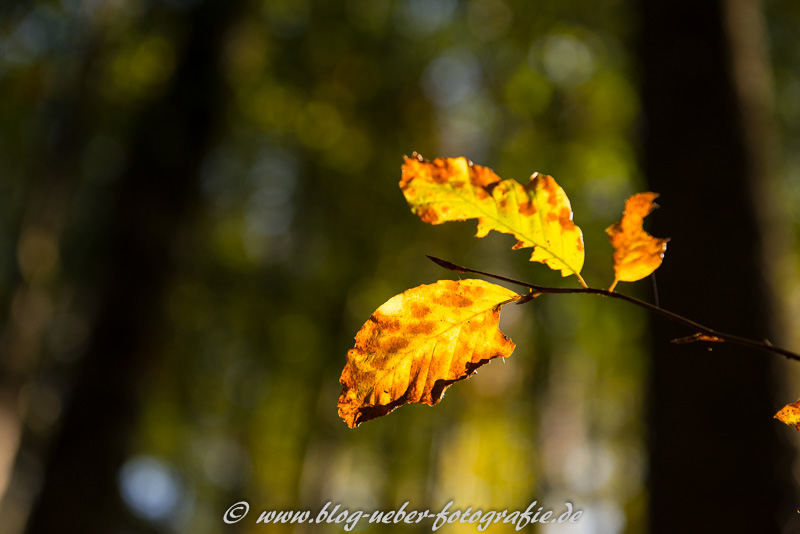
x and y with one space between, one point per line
420 342
699 336
538 214
790 415
636 253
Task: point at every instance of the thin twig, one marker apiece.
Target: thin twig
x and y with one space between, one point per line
703 333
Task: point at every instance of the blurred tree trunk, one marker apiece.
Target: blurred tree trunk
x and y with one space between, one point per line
717 464
152 199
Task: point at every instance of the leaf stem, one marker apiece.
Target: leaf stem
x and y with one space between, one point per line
581 281
703 333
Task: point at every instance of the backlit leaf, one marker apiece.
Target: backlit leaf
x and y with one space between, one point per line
538 214
790 414
636 253
420 342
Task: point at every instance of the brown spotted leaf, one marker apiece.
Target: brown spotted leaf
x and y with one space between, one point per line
538 214
790 415
420 342
636 253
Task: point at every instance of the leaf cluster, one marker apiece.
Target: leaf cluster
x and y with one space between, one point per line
420 342
423 340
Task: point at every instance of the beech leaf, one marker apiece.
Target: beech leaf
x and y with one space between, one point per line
420 342
790 415
636 253
538 214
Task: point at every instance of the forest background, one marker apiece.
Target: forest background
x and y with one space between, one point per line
199 208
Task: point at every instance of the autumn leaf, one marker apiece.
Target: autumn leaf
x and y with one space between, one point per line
538 214
790 415
636 253
420 342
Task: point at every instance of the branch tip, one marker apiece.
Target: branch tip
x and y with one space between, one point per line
446 264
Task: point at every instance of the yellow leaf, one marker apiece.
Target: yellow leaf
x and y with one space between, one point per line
537 214
636 253
790 415
420 342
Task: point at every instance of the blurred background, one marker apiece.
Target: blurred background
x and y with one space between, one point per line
200 209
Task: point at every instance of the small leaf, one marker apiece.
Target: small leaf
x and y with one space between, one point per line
538 214
420 342
636 253
699 336
790 415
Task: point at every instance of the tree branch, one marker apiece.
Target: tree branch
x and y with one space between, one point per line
703 333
